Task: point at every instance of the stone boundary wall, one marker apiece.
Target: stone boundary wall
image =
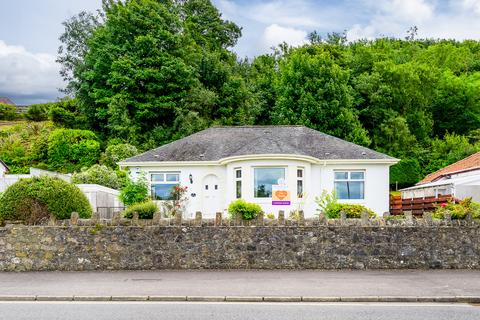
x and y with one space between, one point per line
121 244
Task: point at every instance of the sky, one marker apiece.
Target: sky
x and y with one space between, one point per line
29 30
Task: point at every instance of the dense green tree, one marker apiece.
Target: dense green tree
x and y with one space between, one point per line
72 149
98 174
314 91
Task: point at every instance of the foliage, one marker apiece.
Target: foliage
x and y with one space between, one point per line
243 209
177 203
326 201
8 112
98 174
330 206
270 216
25 145
38 112
72 149
116 153
134 191
145 210
458 211
405 173
35 199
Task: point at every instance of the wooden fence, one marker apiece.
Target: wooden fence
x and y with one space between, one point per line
417 205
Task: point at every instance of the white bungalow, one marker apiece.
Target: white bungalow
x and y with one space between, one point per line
278 167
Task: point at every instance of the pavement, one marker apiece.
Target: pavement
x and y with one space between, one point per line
234 311
461 286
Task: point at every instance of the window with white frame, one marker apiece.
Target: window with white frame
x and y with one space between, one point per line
349 184
300 175
265 178
162 184
238 183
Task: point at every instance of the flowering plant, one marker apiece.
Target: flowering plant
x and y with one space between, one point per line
178 200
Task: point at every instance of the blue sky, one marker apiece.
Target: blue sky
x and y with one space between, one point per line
29 30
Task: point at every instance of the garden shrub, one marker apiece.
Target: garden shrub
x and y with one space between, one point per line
34 200
38 112
353 211
98 174
246 210
330 206
8 112
458 211
134 191
118 152
72 149
145 210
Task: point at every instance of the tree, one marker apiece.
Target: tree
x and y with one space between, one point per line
98 174
8 112
134 191
72 149
314 91
116 153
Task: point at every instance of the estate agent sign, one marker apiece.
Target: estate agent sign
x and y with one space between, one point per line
280 195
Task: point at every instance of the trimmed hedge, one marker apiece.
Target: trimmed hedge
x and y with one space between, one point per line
35 199
353 211
246 210
145 210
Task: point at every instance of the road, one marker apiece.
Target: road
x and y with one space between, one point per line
232 311
245 283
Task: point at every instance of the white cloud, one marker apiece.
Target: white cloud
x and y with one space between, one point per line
473 5
274 34
395 17
26 74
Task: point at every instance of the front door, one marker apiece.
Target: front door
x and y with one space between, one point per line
211 196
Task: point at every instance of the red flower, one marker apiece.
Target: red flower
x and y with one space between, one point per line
443 205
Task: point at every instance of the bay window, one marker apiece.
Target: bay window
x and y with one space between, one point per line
264 178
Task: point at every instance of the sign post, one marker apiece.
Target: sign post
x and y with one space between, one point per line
280 195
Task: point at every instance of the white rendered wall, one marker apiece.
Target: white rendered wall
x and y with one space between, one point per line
317 178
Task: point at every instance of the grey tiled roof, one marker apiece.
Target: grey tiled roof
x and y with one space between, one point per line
221 142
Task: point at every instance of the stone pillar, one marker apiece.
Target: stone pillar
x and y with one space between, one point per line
116 218
447 216
178 218
260 219
52 221
427 217
365 218
218 219
135 219
198 218
343 216
96 217
408 216
322 218
301 218
74 219
469 217
156 218
281 217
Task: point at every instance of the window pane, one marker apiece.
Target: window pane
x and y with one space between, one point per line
299 173
238 174
173 177
341 189
356 189
159 177
356 175
239 189
162 191
341 175
299 188
264 179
